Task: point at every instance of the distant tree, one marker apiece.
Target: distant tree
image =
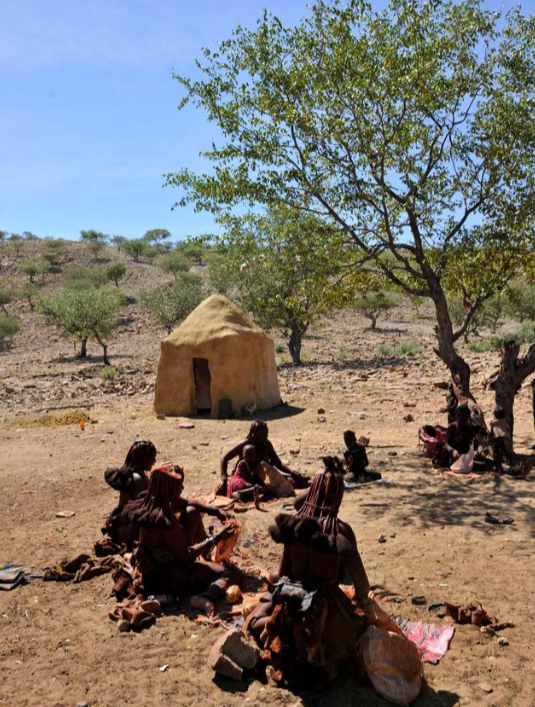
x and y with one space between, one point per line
95 242
17 243
29 292
174 263
32 269
270 266
373 305
9 326
170 304
82 278
115 272
152 252
118 242
521 301
6 297
84 315
136 249
193 249
3 236
53 252
29 236
156 236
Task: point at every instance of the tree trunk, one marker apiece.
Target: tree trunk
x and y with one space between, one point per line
294 345
512 373
83 349
105 358
459 369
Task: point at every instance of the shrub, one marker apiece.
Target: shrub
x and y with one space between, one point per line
118 242
280 348
108 373
136 249
342 354
31 268
9 326
483 346
173 263
115 272
374 304
80 277
29 292
6 297
408 347
170 304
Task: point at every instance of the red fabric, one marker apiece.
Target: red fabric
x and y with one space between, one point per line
238 481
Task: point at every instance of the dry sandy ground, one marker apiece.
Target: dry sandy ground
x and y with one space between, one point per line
58 646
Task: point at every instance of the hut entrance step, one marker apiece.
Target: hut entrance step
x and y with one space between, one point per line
203 379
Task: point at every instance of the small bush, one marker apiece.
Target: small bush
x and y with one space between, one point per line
342 354
108 373
31 268
385 351
408 347
80 277
280 348
115 272
9 326
483 346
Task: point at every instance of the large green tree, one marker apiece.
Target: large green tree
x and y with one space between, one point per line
409 130
283 269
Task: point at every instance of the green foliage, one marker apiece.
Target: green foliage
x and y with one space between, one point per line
29 292
280 348
342 354
170 304
373 304
92 236
82 278
84 314
115 272
483 346
135 249
3 236
108 373
194 249
9 326
29 236
16 243
385 351
152 252
521 301
95 248
156 236
279 268
31 268
53 252
118 242
174 263
6 297
408 347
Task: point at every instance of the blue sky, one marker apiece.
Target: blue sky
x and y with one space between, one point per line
88 119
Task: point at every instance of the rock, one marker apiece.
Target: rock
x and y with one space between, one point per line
186 425
160 417
232 654
419 600
487 631
485 687
322 418
65 514
503 642
408 418
392 454
321 411
381 539
164 668
82 704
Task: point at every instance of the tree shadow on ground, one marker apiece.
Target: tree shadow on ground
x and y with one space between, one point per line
357 364
435 500
91 358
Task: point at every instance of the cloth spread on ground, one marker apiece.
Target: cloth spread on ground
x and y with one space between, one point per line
11 576
81 568
431 640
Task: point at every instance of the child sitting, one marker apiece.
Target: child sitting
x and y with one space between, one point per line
246 476
357 460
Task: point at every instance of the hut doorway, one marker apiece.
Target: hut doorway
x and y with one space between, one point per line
203 379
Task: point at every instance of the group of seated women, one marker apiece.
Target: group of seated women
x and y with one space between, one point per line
319 621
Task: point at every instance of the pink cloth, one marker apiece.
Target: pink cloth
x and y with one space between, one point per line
236 481
431 640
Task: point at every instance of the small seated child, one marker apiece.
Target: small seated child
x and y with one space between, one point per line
246 477
502 442
357 460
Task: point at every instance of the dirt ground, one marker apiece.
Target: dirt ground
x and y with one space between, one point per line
60 649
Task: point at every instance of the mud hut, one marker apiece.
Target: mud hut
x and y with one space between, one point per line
217 362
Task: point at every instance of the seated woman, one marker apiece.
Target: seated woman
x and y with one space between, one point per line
275 472
357 460
130 480
167 557
309 625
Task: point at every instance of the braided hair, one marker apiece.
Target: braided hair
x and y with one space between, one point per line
255 426
154 509
140 458
325 495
